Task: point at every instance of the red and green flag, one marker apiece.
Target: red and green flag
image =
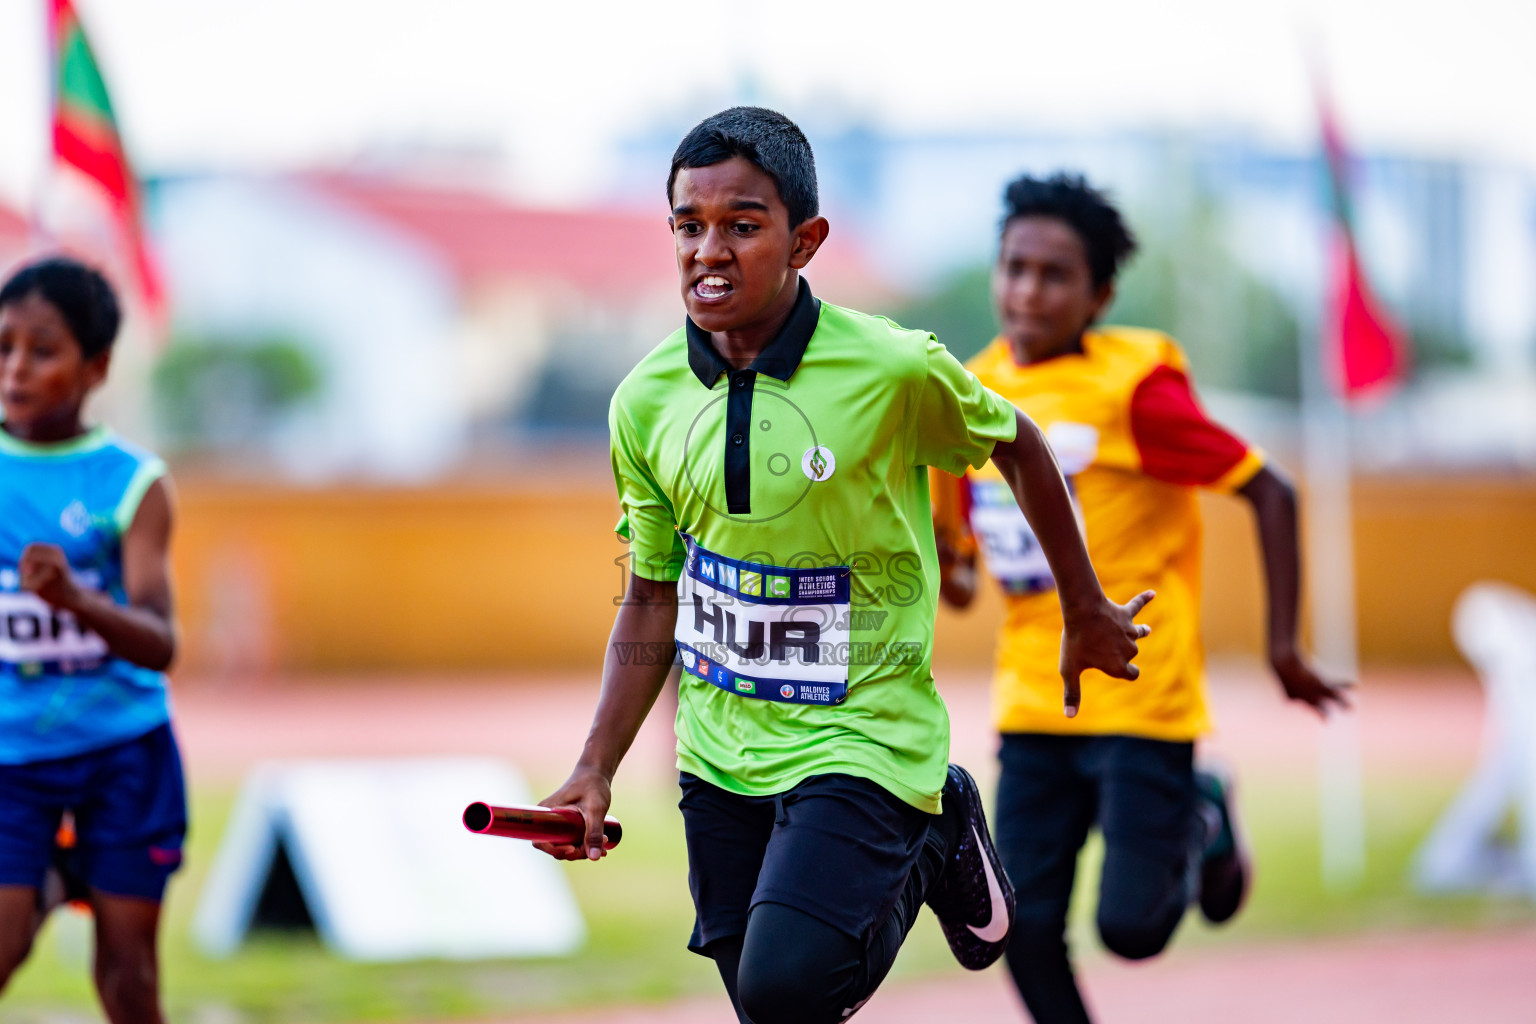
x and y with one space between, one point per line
86 142
1366 351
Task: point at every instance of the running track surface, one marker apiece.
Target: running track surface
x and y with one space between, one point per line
1444 979
1420 722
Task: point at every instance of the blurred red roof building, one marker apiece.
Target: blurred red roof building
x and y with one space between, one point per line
485 240
454 320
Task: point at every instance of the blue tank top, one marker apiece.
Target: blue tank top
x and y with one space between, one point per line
61 691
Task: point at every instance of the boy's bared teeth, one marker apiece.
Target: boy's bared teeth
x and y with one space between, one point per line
711 287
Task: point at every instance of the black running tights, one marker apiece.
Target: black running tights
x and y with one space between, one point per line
791 968
1052 791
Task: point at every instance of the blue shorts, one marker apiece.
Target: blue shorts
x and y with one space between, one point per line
130 808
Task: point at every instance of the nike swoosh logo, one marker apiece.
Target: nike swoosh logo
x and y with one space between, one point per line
996 929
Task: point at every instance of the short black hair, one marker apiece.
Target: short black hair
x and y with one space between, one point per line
771 141
1085 209
81 295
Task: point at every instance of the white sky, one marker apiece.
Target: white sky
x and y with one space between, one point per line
221 83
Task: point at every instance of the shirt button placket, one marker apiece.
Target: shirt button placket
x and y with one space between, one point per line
738 472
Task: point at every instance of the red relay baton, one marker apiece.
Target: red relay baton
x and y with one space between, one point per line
541 824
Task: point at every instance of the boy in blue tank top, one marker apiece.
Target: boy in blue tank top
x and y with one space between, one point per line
86 632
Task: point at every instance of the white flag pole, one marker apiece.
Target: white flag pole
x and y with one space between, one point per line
1330 574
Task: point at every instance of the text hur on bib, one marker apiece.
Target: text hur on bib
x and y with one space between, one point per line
764 631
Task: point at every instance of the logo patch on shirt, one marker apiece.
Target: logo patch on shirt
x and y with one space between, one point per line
786 691
75 519
745 685
818 463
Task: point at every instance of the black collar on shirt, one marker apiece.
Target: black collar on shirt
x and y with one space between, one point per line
780 358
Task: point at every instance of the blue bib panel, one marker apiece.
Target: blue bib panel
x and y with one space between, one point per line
62 692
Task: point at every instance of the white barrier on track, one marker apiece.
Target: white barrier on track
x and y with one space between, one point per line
374 854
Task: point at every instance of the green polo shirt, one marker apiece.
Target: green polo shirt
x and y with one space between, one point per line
813 458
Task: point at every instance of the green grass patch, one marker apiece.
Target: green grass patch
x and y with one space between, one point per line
636 905
638 915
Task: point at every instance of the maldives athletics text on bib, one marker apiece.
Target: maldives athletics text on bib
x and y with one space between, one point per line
765 631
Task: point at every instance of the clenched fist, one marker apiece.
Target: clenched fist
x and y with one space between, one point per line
45 572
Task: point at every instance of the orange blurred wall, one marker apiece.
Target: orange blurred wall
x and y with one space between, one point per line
472 577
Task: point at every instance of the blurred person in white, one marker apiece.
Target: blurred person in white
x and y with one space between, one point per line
1118 408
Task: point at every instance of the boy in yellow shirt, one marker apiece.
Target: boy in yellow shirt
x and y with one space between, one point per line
1119 411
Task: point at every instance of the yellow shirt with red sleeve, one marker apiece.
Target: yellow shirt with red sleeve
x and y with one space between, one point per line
1133 444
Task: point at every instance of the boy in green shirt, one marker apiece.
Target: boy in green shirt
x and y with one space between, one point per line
770 458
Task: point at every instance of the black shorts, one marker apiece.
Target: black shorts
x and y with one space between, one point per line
836 847
1139 792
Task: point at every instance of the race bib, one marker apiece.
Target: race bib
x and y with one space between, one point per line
764 631
1013 553
1007 541
33 632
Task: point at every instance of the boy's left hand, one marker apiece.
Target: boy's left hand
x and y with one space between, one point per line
1301 682
1105 639
45 572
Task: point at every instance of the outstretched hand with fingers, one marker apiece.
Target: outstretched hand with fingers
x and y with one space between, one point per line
1104 638
1302 682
